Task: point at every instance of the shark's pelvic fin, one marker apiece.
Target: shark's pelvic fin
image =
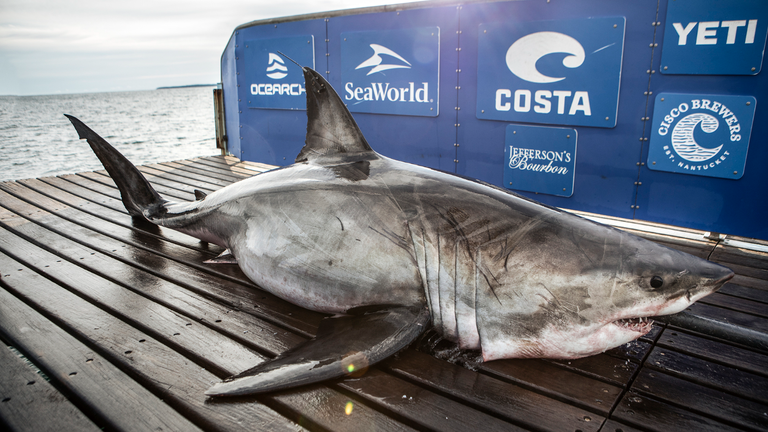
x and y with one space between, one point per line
139 198
331 130
343 346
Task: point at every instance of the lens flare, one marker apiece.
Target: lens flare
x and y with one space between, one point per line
348 408
350 368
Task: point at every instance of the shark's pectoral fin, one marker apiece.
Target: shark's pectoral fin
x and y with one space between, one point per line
225 257
343 346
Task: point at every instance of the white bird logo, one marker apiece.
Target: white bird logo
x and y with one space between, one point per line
276 64
376 60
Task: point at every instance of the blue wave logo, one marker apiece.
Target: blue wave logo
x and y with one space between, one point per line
523 54
375 61
276 67
684 143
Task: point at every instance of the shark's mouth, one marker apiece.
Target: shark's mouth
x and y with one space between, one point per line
640 325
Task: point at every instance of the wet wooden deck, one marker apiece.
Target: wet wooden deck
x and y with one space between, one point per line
129 328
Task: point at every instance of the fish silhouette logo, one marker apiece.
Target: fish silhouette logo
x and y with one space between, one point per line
684 143
375 61
523 54
276 67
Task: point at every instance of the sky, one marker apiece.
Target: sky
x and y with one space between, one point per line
84 46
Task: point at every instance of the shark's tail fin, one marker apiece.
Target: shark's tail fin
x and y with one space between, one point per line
139 198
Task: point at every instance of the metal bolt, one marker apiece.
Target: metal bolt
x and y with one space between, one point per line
607 118
482 111
567 136
735 172
753 69
749 103
665 67
615 25
662 99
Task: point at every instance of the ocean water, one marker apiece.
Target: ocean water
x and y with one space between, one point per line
36 140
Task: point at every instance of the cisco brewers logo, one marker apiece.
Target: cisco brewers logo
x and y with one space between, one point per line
391 71
385 91
554 72
701 134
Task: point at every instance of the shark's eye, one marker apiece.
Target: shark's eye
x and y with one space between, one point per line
657 282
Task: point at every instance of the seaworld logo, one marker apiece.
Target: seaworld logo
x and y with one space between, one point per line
681 124
374 62
378 91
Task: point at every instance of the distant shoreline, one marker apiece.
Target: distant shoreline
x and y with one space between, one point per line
187 86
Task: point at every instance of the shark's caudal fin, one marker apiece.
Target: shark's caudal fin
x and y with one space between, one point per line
139 198
331 130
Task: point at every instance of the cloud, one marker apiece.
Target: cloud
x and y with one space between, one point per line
91 45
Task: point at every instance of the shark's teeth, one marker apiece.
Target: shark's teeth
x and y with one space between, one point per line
641 324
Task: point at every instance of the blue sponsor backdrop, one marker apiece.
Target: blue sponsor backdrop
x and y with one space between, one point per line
714 37
554 72
540 159
273 80
391 71
611 172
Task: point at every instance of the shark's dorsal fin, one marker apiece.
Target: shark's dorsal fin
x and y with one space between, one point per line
331 130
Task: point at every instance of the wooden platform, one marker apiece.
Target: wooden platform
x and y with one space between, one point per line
123 327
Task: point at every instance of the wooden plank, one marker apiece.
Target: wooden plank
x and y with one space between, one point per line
202 163
101 387
420 406
206 172
736 290
744 384
95 274
702 400
648 414
746 320
226 283
550 380
318 407
521 406
83 201
737 304
235 169
739 358
103 184
745 257
29 403
160 172
170 375
602 367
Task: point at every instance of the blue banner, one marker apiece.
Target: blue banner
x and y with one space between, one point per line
273 80
553 72
714 37
701 134
540 159
391 71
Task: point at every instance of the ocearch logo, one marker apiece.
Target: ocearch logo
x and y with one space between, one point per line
521 59
276 67
526 51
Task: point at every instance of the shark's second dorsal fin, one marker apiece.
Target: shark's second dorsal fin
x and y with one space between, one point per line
331 130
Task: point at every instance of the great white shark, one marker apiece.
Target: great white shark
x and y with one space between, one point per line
393 248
